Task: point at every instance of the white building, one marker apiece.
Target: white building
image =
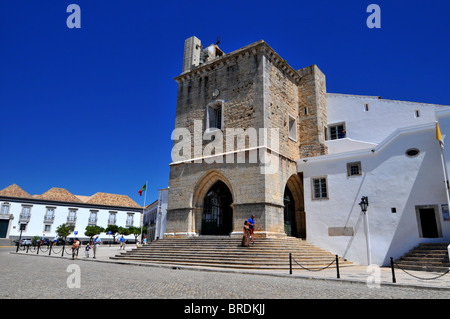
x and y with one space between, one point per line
155 216
391 155
41 215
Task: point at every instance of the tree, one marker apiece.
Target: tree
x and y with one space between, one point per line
91 231
123 231
64 230
114 229
136 231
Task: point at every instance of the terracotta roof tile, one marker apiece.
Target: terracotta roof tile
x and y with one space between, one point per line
63 195
60 194
84 199
112 200
14 191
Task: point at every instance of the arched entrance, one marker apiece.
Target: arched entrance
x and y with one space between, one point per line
290 224
217 218
294 207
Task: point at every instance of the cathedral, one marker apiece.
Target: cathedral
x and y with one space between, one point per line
254 136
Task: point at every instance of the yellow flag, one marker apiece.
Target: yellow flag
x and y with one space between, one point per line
438 134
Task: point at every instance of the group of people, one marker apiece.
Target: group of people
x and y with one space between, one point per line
76 247
123 242
249 227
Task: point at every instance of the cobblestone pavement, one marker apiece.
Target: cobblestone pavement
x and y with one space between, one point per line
32 276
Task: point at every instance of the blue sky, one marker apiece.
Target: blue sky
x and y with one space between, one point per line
92 109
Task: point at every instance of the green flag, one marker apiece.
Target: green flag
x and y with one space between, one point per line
143 189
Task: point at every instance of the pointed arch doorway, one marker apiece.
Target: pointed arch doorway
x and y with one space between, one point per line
217 217
294 207
290 224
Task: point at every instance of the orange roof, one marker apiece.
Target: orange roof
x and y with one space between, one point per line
63 195
60 195
112 200
14 191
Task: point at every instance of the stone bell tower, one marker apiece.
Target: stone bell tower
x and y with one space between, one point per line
243 119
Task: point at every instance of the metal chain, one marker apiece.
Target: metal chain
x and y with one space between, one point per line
421 278
314 269
43 250
55 252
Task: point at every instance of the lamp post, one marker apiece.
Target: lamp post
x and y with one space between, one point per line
364 205
22 228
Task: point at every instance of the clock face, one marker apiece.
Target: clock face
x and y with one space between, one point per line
215 93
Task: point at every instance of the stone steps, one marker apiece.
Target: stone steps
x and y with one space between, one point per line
226 252
426 257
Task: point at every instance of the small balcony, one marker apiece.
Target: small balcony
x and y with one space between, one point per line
92 221
129 223
71 220
24 218
49 219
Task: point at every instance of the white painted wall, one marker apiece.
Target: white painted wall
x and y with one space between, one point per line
158 209
36 224
162 213
390 179
382 119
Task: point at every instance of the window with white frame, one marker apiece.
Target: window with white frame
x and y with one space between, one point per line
5 209
130 220
47 228
319 188
112 218
292 128
214 118
337 131
93 217
49 216
25 215
72 217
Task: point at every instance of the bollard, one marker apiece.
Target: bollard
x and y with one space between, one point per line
39 246
49 249
17 249
337 267
64 247
393 272
28 247
290 264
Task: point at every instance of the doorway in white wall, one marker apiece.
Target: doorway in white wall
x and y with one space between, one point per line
428 221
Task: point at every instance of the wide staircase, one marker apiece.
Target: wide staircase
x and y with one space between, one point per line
426 257
226 252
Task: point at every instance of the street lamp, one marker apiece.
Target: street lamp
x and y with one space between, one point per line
364 204
22 228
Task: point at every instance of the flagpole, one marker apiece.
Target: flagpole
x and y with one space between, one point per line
143 209
444 163
444 167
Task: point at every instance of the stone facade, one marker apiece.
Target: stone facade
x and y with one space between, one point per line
254 90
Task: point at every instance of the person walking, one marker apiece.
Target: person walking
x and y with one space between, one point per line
75 247
122 243
86 250
96 244
251 224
